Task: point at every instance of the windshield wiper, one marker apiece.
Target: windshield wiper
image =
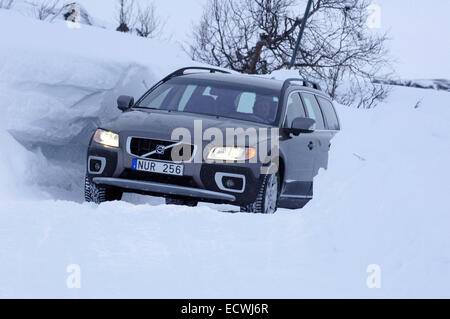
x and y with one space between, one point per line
145 107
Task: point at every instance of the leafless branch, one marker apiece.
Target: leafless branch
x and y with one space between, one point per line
258 37
147 22
45 8
125 15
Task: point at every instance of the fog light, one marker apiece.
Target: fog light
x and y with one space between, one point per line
233 183
96 164
229 183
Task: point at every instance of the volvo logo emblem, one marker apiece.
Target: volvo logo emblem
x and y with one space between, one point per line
160 149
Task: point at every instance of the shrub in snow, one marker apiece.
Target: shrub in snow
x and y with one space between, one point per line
258 37
125 14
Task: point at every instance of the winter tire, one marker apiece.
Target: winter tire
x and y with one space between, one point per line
267 198
94 193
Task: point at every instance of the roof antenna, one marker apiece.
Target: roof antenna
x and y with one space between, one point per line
302 29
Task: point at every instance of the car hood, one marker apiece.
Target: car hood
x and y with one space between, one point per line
161 125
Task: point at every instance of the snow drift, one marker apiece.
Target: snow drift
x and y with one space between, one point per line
383 200
57 82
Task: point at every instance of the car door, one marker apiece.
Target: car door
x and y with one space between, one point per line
322 135
299 155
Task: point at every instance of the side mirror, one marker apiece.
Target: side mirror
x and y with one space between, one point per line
303 125
125 102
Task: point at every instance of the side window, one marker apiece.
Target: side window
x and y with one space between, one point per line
329 113
313 110
294 109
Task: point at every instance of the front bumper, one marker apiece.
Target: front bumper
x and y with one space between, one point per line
199 181
159 188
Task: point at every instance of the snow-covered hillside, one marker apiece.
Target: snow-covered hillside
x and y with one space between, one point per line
383 200
432 84
51 11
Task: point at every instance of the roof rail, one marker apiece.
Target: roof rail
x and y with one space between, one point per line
305 83
181 71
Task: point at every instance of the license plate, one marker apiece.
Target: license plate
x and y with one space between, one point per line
157 167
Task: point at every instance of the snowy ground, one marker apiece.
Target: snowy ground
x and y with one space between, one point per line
383 200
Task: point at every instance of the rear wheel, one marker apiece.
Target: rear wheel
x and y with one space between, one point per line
94 193
181 202
267 198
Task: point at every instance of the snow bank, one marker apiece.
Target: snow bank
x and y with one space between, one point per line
54 79
56 83
383 200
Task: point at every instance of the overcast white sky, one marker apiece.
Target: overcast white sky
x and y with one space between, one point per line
419 29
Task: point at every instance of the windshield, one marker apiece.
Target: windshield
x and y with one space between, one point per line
215 98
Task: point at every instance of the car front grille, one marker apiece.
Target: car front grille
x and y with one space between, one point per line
160 150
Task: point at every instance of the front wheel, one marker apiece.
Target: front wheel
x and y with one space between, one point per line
94 193
267 198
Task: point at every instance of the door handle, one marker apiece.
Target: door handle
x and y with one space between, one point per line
311 145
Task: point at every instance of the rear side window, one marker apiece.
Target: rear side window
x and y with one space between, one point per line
329 113
294 109
313 110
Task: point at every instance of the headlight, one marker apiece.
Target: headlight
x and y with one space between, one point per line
231 153
106 138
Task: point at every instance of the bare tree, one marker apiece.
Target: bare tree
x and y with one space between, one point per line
147 22
258 37
125 15
45 8
6 4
